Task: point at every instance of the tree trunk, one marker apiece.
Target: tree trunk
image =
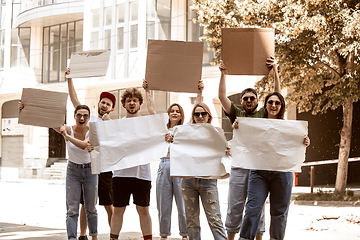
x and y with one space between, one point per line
344 151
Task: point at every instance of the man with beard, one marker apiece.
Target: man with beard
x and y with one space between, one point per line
135 180
105 107
238 182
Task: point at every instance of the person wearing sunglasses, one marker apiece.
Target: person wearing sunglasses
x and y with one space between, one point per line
262 182
106 105
238 182
79 177
205 188
168 187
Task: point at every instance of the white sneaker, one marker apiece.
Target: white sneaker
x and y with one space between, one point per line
163 238
184 238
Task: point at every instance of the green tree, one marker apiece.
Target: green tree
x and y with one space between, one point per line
317 45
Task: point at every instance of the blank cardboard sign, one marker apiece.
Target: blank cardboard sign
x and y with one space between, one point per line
43 108
89 64
174 66
244 50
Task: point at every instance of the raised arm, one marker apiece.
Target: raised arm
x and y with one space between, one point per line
273 65
225 101
199 98
148 98
65 131
72 93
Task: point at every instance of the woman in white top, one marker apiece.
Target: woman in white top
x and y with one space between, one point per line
78 174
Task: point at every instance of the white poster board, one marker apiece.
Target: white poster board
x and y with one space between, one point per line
198 150
269 144
127 142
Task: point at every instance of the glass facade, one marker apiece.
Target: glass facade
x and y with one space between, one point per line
20 47
158 19
59 41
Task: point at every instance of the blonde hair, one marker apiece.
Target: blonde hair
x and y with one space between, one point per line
205 107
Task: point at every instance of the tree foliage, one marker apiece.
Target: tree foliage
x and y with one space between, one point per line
317 44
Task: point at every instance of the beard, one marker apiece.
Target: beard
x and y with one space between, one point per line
133 110
102 112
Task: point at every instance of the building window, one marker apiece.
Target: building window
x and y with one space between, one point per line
158 19
20 47
194 32
59 42
134 16
120 25
2 48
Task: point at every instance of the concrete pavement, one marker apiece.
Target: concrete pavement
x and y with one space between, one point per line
35 209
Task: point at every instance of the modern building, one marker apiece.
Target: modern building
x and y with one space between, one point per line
37 38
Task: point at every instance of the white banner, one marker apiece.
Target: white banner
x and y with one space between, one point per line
198 150
269 144
128 142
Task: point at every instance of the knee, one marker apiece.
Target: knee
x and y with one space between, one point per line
142 210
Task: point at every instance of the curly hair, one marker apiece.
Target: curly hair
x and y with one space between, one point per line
131 93
78 107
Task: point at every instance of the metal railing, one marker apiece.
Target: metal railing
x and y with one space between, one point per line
316 163
29 4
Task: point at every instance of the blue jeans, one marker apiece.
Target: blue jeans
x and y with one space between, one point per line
261 182
166 188
79 176
238 186
191 189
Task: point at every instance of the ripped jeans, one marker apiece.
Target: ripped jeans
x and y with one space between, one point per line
191 189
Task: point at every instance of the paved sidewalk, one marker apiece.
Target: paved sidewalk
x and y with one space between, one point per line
35 209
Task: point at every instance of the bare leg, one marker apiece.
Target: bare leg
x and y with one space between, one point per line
145 220
83 223
117 220
231 236
110 210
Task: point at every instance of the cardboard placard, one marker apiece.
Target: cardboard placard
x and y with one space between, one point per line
245 50
174 66
43 108
89 63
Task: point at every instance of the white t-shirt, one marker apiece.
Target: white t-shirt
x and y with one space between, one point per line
76 154
141 172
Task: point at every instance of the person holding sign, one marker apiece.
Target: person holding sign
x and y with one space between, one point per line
262 182
168 187
134 181
105 107
205 188
78 175
239 177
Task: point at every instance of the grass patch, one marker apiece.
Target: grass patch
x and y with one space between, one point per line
329 195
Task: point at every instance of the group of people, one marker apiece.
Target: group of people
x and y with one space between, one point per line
247 188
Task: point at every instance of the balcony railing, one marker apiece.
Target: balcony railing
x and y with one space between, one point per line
29 4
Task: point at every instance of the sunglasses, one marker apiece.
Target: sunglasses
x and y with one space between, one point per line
79 115
203 114
271 102
247 98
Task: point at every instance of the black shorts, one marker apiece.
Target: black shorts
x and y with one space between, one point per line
123 187
105 188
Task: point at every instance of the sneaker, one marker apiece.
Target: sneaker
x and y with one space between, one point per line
83 238
163 238
184 238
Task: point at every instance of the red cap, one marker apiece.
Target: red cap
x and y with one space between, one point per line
109 96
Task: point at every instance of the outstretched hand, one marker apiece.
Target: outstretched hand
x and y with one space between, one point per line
271 63
222 67
235 124
201 85
145 84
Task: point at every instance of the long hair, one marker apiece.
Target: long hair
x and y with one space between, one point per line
282 101
181 121
205 107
